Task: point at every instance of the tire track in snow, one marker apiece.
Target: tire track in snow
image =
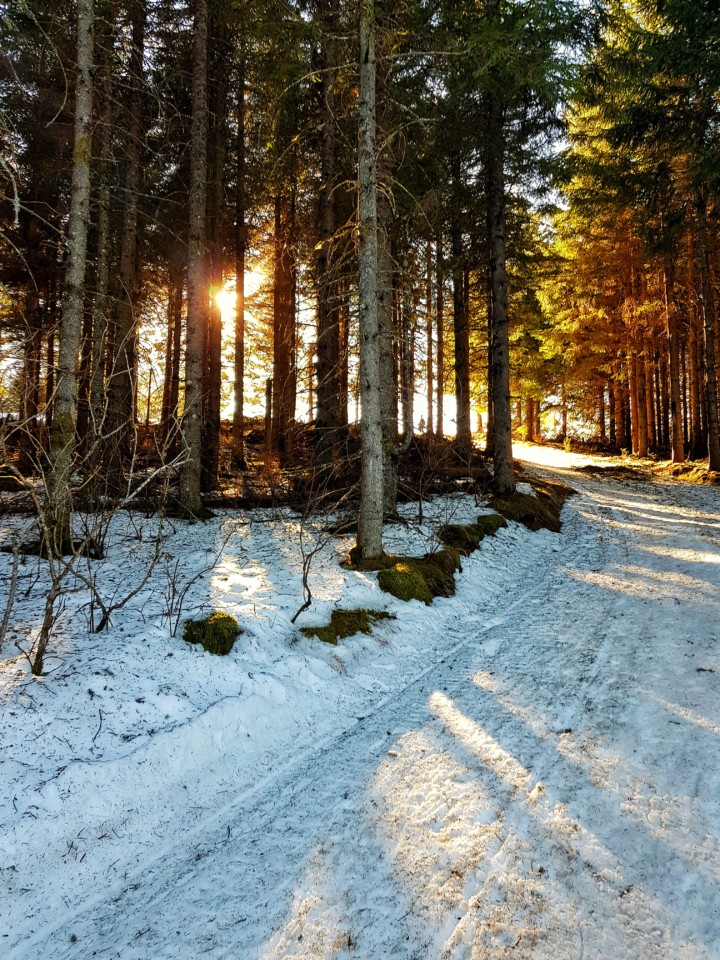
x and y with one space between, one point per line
325 858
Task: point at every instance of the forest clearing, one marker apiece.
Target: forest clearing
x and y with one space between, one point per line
527 769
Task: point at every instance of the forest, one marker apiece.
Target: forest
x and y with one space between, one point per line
359 466
230 222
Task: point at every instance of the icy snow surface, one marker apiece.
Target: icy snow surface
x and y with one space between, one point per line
530 769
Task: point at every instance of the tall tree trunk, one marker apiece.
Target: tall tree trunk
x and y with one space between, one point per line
642 449
650 398
171 386
613 432
504 477
386 281
240 249
32 350
429 338
215 233
328 420
62 433
369 536
190 501
460 318
440 336
709 312
529 420
673 335
100 306
283 321
122 379
344 353
50 382
408 368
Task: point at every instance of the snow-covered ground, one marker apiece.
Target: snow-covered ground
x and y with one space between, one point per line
529 769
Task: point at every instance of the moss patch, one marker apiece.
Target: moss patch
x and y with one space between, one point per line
467 537
216 633
448 560
346 623
405 582
689 472
358 562
541 512
490 523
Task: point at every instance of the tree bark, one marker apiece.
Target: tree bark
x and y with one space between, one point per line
369 537
122 378
62 433
386 285
504 476
709 314
439 336
460 320
215 233
190 500
328 419
100 306
240 250
284 321
429 338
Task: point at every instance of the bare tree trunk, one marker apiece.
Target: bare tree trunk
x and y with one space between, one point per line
240 249
429 337
386 286
327 422
642 448
215 233
673 334
440 328
504 476
529 419
100 307
408 368
32 349
369 537
122 379
190 501
62 434
709 311
167 378
460 319
284 321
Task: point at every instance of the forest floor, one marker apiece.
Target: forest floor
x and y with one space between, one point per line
530 769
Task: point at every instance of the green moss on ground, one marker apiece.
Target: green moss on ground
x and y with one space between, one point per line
405 582
465 538
358 562
346 623
216 633
448 560
540 512
490 523
423 578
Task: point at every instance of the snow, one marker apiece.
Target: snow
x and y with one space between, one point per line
528 769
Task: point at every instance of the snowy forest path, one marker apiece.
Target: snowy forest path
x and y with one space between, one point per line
549 790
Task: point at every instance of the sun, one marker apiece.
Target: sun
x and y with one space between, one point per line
225 297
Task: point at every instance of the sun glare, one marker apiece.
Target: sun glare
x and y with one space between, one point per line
225 297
